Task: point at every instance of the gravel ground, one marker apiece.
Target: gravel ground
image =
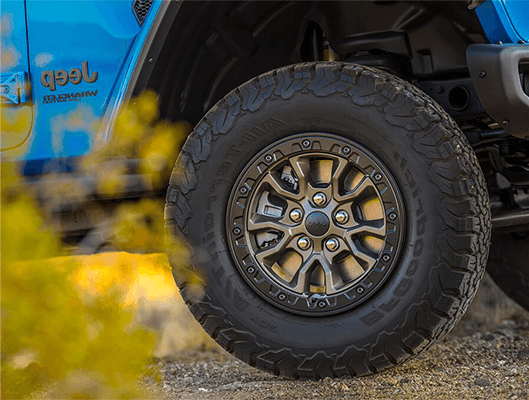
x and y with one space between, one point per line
486 356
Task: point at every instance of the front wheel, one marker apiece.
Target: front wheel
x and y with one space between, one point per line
338 216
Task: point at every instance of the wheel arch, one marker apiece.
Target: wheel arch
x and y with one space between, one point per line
201 50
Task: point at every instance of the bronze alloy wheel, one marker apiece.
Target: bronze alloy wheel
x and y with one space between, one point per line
315 223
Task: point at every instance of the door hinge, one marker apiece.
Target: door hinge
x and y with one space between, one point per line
13 88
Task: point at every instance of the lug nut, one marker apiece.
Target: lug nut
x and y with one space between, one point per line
378 177
304 243
243 190
346 150
392 216
386 257
251 270
237 231
319 199
341 217
268 158
305 143
296 215
360 290
332 244
322 304
282 296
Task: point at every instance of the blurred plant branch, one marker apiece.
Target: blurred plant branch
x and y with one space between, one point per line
66 323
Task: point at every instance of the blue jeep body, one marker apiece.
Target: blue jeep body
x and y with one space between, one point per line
54 40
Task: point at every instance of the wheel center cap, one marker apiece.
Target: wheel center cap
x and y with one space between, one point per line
317 223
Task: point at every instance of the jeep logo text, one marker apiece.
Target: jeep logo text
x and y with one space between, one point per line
61 77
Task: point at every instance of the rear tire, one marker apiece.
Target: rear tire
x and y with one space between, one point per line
430 178
509 265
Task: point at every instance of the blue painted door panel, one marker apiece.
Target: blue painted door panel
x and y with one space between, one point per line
76 50
80 56
16 106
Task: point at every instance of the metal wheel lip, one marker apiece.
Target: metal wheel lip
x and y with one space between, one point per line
253 272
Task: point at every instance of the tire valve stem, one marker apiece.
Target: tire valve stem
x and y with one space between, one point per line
328 53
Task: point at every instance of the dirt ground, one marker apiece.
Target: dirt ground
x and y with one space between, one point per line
486 356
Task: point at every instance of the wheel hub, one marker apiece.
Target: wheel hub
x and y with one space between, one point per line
318 232
317 223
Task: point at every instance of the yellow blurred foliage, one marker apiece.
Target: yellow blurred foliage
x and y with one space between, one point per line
76 327
139 227
146 107
158 153
59 332
147 286
16 124
138 135
9 56
110 181
137 276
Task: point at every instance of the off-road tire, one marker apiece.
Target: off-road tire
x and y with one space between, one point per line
508 265
445 206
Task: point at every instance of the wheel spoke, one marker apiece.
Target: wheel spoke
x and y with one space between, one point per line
302 277
333 279
277 186
261 222
362 255
337 175
301 167
273 252
375 227
357 191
